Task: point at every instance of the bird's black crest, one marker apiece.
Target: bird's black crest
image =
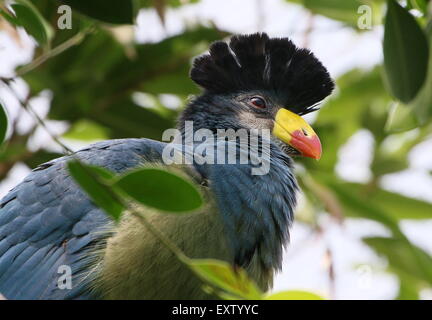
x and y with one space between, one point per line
257 62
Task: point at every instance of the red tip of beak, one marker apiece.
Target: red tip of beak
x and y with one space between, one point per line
308 146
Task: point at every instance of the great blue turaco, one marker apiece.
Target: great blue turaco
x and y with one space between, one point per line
47 221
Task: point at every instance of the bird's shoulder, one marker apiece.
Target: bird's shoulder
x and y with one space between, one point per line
46 221
256 209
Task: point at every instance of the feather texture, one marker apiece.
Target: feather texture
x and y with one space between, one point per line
47 221
257 62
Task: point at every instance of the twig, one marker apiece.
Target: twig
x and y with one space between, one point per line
76 39
161 237
308 30
25 104
331 273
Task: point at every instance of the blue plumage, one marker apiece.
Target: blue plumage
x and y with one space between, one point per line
59 226
47 222
257 210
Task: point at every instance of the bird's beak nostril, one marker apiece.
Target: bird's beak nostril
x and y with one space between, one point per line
294 131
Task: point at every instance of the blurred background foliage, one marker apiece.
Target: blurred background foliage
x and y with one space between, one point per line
105 85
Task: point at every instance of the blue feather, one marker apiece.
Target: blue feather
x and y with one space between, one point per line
47 221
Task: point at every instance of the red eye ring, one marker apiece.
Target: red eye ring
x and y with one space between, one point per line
258 102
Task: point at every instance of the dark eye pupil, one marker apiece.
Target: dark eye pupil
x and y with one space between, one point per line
258 102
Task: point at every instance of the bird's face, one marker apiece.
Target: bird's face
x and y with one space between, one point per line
257 82
261 110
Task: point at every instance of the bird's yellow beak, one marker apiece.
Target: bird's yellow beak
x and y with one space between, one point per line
296 132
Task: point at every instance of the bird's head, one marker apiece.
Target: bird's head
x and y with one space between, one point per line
257 82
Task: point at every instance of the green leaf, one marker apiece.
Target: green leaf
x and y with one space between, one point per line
94 181
126 119
341 10
407 289
420 5
391 153
399 206
422 104
40 156
294 295
111 77
86 130
109 11
405 52
372 202
386 164
171 3
221 274
362 91
356 206
3 123
401 118
160 189
28 17
404 258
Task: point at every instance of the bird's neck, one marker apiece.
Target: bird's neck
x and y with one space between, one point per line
256 206
204 114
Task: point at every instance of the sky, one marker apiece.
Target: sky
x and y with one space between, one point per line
359 273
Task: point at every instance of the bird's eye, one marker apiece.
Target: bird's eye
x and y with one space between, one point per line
258 102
